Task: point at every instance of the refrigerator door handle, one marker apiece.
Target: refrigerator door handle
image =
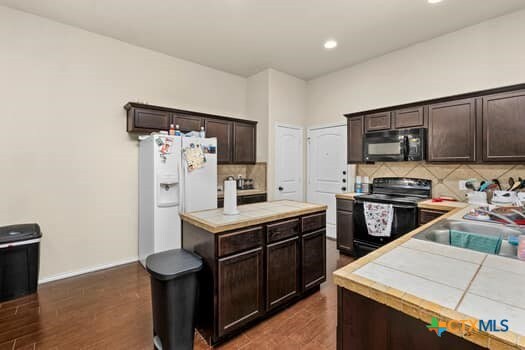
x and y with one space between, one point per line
182 185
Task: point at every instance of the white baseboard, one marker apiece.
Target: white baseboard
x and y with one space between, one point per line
87 270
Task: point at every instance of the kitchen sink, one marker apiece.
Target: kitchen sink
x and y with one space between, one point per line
440 233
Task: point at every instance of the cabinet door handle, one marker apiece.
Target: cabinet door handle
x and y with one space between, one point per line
343 188
344 180
280 188
344 172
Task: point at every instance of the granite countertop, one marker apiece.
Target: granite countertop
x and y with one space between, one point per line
425 279
215 221
240 193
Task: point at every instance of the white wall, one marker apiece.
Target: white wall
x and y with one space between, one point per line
274 97
257 109
479 57
67 160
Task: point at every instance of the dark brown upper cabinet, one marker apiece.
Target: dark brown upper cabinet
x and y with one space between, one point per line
147 120
503 125
186 122
236 138
452 131
223 131
378 121
409 118
355 132
244 141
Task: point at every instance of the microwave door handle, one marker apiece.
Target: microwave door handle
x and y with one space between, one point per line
406 147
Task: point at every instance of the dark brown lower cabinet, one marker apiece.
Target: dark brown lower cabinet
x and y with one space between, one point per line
427 215
253 198
345 226
313 246
240 280
365 324
252 272
282 263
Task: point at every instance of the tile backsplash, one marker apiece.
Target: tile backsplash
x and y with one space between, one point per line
256 171
444 177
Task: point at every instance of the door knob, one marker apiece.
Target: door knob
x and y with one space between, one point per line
280 188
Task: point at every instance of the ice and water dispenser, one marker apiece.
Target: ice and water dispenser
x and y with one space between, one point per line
168 181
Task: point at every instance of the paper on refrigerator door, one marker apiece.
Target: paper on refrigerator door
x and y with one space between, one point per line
194 157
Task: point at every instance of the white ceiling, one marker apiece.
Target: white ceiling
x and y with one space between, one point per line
247 36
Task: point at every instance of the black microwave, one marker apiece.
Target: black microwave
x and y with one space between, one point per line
395 145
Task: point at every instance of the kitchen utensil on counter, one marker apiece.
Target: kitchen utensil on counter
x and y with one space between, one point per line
469 185
516 186
511 183
497 183
522 185
444 198
483 186
240 182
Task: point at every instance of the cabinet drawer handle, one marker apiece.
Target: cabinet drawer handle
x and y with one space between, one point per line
284 241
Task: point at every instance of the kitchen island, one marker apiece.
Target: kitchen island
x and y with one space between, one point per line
387 299
255 263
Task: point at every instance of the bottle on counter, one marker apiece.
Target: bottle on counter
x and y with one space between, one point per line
365 186
172 130
358 185
177 130
521 248
202 133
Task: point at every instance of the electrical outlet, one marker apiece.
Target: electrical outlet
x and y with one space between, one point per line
462 185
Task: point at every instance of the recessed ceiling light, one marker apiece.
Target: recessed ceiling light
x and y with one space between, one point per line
330 44
434 1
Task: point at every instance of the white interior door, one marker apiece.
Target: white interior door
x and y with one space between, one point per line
288 163
327 169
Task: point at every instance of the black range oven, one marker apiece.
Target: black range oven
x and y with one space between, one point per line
403 194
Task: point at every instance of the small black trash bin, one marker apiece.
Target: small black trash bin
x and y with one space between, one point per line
174 296
19 260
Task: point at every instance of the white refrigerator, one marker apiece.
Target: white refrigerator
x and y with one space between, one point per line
176 174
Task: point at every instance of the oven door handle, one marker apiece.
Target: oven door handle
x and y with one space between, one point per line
401 206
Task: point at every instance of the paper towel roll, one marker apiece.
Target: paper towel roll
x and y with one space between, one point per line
230 197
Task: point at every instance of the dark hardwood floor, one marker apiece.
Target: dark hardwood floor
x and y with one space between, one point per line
111 309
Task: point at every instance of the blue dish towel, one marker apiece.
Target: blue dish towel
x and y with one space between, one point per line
475 241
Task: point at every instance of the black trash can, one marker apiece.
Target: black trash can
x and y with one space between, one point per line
19 260
174 288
